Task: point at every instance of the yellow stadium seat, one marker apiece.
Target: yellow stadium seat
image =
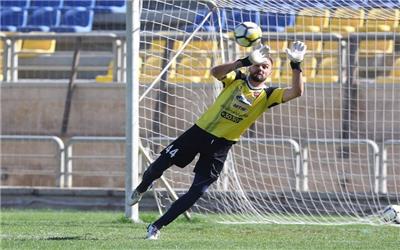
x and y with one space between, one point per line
381 20
313 46
193 70
152 67
310 20
393 77
198 46
328 71
31 48
331 47
341 23
372 47
309 66
277 46
109 77
276 68
159 45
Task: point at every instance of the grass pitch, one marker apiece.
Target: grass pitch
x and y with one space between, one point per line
50 229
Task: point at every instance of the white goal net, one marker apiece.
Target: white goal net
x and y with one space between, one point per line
330 156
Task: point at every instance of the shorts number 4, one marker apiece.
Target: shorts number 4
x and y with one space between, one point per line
171 151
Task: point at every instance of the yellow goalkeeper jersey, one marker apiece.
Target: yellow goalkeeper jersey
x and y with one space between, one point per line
238 106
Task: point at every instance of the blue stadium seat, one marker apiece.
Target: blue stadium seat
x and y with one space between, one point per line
78 3
55 4
276 22
75 20
14 4
11 19
41 19
237 16
110 6
211 24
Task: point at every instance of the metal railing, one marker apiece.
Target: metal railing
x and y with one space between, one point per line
10 54
372 144
54 139
70 157
383 172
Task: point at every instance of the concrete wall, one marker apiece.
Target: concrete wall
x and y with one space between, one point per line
98 110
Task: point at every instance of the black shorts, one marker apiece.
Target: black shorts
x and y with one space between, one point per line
213 151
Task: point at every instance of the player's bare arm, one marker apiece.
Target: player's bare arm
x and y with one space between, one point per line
296 56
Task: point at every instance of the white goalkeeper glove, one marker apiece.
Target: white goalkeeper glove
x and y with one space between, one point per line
296 54
258 56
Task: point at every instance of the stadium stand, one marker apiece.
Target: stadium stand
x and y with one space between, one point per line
110 6
310 20
31 48
234 17
14 5
152 68
327 72
346 25
75 20
275 22
41 19
68 4
210 25
193 70
375 23
11 19
394 75
277 46
54 4
309 70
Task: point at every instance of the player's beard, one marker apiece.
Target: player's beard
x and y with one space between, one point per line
257 78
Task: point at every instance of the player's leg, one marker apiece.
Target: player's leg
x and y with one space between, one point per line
198 188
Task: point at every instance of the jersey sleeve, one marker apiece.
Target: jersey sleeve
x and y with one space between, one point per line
274 96
230 77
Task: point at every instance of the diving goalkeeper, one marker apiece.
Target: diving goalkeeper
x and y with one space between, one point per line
243 99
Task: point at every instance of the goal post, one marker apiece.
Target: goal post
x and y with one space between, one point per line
315 160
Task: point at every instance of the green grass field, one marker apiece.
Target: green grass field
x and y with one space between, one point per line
50 229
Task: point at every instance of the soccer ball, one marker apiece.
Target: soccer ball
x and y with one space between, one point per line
391 214
247 34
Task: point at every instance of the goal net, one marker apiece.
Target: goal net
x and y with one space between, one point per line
328 157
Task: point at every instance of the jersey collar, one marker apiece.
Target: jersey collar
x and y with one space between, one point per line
251 87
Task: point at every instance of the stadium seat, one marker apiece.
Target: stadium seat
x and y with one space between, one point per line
393 77
11 19
373 47
193 70
341 23
310 20
78 3
328 71
158 46
14 5
275 22
277 46
211 24
314 45
75 20
109 77
152 68
381 20
55 4
237 16
276 69
202 47
32 48
110 6
331 47
309 70
41 19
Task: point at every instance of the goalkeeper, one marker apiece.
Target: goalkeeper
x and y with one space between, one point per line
244 98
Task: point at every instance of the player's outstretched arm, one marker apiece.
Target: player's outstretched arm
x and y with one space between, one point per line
257 56
296 56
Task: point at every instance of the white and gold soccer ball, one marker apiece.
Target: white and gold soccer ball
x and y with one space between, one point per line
391 214
247 34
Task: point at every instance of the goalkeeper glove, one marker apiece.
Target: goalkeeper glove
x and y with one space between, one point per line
296 54
257 56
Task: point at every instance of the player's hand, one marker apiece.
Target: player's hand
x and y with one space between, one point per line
257 56
260 54
296 52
